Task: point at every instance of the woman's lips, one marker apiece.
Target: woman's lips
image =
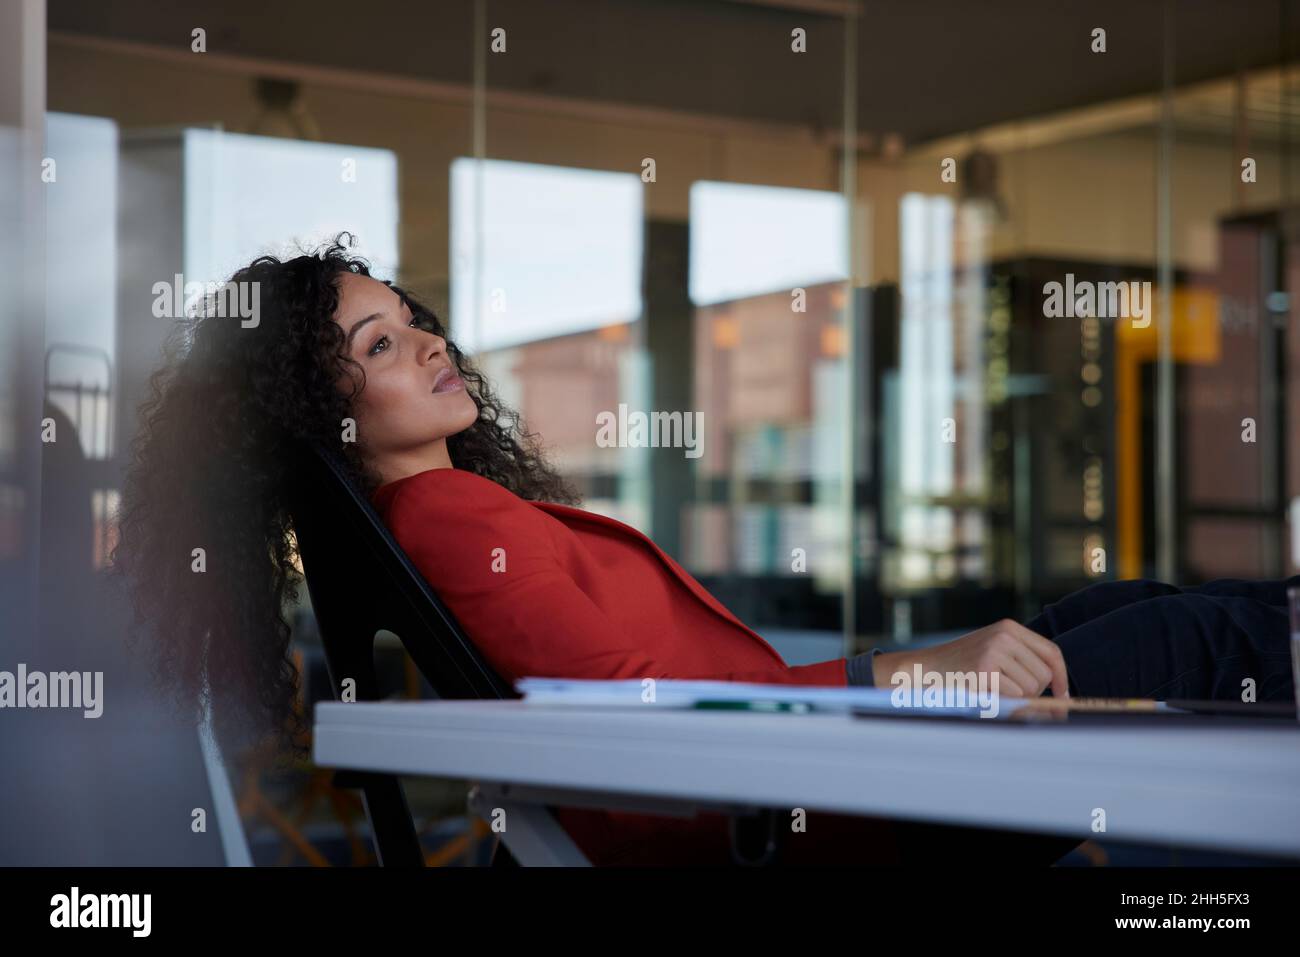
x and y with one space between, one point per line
449 383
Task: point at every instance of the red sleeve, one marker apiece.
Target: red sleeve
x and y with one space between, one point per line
532 619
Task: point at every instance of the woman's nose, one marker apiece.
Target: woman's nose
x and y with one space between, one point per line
431 349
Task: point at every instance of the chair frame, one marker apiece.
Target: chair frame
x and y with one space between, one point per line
360 582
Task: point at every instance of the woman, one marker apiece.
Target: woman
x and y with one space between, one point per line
542 587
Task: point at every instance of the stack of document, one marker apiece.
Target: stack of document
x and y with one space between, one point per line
867 702
687 693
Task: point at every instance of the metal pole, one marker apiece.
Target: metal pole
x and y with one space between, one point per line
1166 511
849 189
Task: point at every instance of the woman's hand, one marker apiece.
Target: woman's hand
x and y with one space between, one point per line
1025 661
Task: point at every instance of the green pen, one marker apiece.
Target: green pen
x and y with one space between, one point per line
794 707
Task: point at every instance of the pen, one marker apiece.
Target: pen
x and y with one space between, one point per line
1091 704
795 707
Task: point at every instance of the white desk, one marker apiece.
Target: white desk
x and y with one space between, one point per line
1228 788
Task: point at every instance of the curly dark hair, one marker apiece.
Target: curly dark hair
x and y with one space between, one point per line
211 465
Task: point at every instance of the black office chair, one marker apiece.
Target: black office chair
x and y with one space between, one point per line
360 581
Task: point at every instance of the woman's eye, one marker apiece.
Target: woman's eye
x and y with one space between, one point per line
374 350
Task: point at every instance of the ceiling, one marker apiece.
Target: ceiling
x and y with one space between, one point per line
925 68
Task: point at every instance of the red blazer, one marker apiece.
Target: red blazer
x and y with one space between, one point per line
549 590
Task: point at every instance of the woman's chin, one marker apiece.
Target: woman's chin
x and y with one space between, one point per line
465 415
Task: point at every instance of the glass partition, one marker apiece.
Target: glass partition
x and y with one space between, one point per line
666 290
883 321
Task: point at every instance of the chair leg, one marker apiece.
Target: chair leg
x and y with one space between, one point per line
501 856
754 838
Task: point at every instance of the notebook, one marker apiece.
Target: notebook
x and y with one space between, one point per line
676 693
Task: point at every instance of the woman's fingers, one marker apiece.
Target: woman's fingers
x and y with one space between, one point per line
1025 661
1027 657
1009 688
1018 682
1049 652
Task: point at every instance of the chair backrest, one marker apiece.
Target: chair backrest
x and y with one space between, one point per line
360 581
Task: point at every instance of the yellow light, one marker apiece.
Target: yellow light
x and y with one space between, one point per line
726 333
832 341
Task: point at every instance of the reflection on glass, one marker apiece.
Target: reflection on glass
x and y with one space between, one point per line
81 263
246 195
748 240
768 267
541 251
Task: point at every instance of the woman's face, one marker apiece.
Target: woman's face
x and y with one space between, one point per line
402 423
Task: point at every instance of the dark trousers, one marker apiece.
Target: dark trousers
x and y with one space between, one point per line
1146 639
1141 639
1127 639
